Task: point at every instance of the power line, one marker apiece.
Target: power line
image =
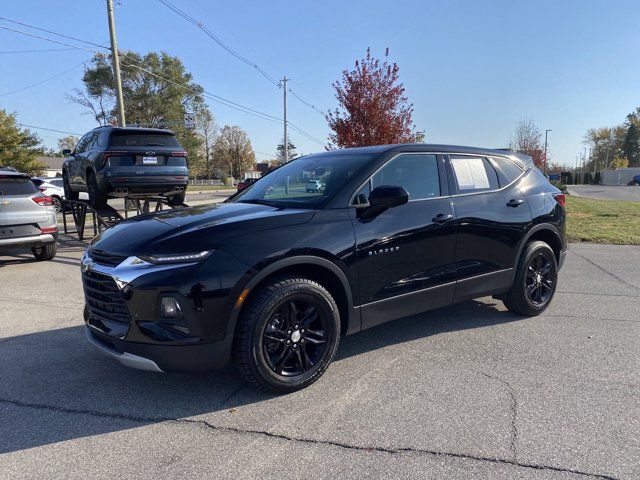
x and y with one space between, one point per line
16 22
42 81
48 39
37 51
216 98
219 41
48 129
240 57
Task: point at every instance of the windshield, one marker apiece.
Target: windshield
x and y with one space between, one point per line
306 182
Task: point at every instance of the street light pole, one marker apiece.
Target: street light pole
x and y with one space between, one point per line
546 133
116 64
286 141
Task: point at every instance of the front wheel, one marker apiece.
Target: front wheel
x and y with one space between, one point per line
287 334
535 282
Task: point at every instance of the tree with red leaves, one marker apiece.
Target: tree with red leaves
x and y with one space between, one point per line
374 109
528 140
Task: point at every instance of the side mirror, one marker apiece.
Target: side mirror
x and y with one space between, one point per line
383 198
388 196
66 152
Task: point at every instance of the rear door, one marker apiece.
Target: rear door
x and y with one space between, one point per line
19 214
491 217
405 255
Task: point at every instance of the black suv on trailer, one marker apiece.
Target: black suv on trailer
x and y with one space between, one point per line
120 162
272 277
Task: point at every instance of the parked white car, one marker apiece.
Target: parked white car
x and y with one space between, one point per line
53 187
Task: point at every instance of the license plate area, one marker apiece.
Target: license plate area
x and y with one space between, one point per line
150 160
16 231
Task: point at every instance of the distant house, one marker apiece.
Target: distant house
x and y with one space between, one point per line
53 166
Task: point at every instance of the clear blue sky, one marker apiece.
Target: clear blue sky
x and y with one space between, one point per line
471 68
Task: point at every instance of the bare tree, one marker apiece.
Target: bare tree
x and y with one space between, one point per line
207 129
527 139
233 149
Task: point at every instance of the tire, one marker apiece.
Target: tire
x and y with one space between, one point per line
68 193
535 282
272 349
176 200
96 198
57 203
45 252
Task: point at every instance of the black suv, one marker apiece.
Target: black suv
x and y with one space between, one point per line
120 162
272 277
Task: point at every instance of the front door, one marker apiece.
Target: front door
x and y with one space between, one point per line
405 255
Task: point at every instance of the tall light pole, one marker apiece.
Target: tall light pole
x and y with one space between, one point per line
116 64
286 141
546 133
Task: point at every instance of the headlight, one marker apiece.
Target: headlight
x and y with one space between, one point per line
177 258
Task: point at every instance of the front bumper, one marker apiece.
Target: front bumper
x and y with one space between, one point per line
123 319
162 358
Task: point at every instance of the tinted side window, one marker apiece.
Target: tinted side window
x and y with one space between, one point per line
418 174
474 174
507 170
83 143
101 139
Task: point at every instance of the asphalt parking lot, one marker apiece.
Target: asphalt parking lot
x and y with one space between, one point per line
625 193
469 391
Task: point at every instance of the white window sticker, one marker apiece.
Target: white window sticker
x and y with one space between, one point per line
470 173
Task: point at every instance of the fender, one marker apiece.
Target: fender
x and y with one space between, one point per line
536 228
354 313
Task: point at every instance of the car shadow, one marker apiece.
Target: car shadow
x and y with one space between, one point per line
57 387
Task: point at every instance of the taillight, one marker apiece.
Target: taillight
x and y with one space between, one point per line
48 229
43 200
560 198
178 154
106 155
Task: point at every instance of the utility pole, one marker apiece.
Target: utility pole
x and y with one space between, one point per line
546 132
286 140
116 64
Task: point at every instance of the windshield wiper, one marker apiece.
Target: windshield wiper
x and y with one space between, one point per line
261 202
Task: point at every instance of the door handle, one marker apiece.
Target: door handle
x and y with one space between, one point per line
514 202
442 218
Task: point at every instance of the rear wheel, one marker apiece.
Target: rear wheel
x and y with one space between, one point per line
68 193
45 252
96 198
287 334
176 200
535 282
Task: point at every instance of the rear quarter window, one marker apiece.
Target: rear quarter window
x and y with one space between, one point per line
506 169
143 140
17 186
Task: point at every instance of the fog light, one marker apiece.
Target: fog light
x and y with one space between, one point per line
169 307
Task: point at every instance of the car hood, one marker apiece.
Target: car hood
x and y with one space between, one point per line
194 229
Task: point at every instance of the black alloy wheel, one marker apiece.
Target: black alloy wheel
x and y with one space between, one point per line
287 334
535 280
539 279
295 337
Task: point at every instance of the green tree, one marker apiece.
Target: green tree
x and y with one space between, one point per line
280 152
157 91
233 151
69 142
631 144
207 130
19 148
